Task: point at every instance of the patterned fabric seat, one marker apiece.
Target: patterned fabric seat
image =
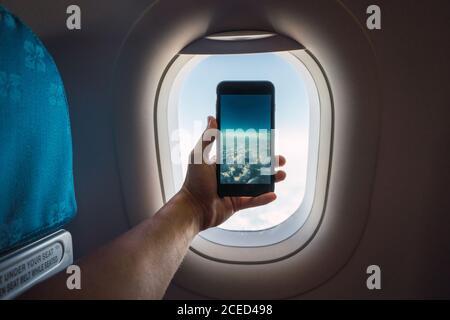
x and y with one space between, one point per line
36 180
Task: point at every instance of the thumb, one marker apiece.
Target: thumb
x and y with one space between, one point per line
210 133
207 138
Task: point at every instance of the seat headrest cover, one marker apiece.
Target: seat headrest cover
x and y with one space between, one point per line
36 180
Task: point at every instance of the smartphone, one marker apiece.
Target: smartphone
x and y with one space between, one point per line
245 113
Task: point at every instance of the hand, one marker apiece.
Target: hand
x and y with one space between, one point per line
200 187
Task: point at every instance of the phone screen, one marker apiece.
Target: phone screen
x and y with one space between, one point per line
245 138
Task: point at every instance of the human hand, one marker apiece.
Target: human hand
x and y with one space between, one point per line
200 187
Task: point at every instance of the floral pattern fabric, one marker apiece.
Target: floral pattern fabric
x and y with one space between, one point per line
36 180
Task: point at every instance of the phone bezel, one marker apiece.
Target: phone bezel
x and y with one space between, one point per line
245 88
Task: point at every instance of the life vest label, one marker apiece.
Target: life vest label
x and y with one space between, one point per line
30 268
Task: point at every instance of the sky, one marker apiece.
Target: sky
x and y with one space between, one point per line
197 100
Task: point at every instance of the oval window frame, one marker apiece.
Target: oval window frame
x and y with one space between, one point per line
289 237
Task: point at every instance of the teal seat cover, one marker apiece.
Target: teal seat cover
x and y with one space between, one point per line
36 180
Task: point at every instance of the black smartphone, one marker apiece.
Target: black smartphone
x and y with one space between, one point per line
245 114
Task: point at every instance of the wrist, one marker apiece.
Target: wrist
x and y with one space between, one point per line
192 209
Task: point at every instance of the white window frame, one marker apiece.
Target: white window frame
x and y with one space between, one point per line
294 233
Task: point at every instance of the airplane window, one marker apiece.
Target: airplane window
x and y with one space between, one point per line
194 98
